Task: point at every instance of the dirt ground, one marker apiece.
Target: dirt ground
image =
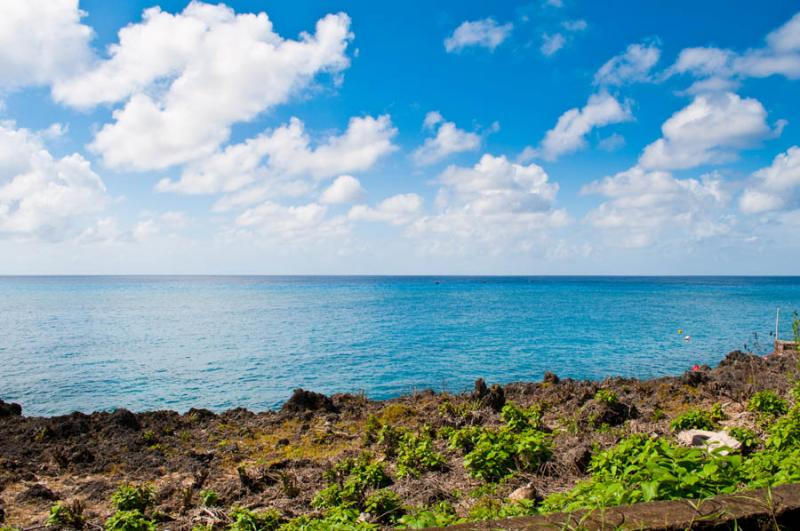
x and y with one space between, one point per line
277 459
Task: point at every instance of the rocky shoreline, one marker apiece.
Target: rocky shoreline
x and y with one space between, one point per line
282 460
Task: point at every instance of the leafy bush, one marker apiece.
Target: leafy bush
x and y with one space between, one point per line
132 520
767 402
416 455
247 520
464 439
716 414
771 468
389 439
491 509
693 419
497 454
606 396
518 419
785 433
67 515
349 481
384 505
133 497
643 469
209 498
373 426
747 437
440 515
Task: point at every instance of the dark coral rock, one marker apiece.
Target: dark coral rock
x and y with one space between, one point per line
550 378
125 419
35 493
480 389
10 409
495 398
303 400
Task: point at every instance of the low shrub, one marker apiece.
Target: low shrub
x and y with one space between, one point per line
767 402
67 515
349 482
247 520
415 455
785 433
497 454
747 437
384 505
133 497
519 419
606 396
209 498
132 520
439 515
693 419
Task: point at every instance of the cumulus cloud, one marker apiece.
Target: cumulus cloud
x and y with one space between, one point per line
779 56
552 43
286 152
449 139
773 187
633 65
292 225
396 210
645 207
575 25
710 130
345 189
570 131
41 42
486 33
495 203
186 78
42 196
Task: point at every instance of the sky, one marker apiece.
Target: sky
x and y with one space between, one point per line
360 137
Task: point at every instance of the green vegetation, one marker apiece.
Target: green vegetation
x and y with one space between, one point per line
67 515
133 498
349 481
694 419
606 396
415 455
247 520
129 521
440 515
767 402
747 437
209 498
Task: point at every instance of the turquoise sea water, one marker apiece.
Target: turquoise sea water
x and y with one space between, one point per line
94 343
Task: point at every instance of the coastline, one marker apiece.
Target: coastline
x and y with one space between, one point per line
281 460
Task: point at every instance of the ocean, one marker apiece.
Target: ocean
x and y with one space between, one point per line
145 343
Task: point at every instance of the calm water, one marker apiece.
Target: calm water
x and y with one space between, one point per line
91 343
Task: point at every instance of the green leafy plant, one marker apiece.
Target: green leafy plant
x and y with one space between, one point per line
606 396
464 439
519 419
133 497
349 481
246 520
747 437
716 414
384 505
439 515
415 455
209 498
129 521
693 419
785 433
67 515
496 454
767 402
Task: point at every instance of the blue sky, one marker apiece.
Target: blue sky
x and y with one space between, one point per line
548 137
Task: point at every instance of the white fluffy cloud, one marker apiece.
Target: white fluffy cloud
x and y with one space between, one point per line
287 152
570 131
779 56
709 130
494 204
633 65
293 225
449 139
41 41
345 189
775 186
486 33
42 196
646 207
186 78
399 209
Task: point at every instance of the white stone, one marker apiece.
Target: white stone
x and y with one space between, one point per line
708 439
